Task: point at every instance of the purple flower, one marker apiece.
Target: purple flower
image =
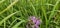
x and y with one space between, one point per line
33 18
38 22
35 21
36 26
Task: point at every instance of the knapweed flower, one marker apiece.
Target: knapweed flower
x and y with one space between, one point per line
35 21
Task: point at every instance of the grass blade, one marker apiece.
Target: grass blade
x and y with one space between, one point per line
8 17
9 6
15 26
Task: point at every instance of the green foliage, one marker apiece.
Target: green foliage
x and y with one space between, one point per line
15 13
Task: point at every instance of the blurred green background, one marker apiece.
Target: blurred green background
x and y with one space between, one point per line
15 13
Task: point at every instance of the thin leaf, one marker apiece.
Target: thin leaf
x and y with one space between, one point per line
8 17
9 6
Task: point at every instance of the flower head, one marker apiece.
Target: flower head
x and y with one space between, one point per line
35 21
38 22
